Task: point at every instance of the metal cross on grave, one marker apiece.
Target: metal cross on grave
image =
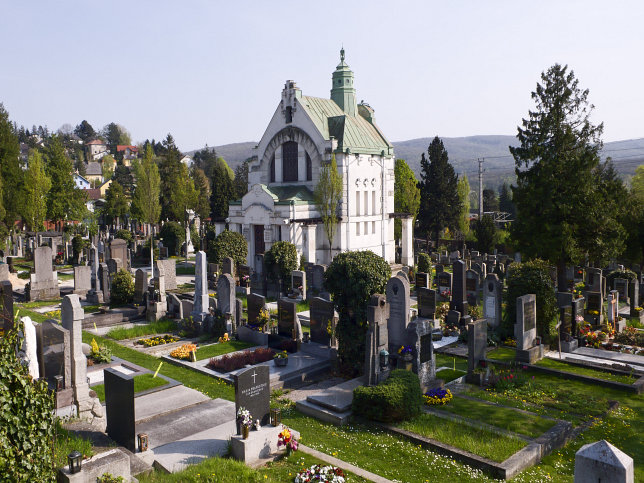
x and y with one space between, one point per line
254 375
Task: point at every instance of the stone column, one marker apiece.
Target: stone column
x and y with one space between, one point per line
310 243
407 242
201 302
278 165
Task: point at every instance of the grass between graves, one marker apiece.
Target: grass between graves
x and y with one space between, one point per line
186 270
585 371
90 308
214 350
223 470
443 360
41 303
448 375
142 382
34 316
633 322
65 276
378 451
65 442
479 441
529 425
506 354
209 386
161 326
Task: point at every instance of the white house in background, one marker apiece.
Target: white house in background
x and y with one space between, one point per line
302 135
187 160
81 182
96 149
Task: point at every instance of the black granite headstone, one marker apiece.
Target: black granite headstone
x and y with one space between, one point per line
255 304
322 314
119 408
253 392
426 348
426 302
422 280
287 311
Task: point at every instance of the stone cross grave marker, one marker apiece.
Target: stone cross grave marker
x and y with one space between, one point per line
253 392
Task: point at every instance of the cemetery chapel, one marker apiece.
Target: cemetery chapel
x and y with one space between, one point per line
301 137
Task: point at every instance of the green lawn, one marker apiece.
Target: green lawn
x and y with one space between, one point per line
448 375
66 442
41 303
222 470
90 308
506 354
479 441
209 386
190 270
443 360
214 350
65 276
142 382
162 326
34 316
585 371
526 424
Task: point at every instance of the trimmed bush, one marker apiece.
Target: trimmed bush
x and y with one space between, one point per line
352 278
77 245
173 235
397 399
124 235
228 244
122 287
281 260
424 263
526 278
627 274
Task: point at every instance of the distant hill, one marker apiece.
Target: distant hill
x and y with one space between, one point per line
464 152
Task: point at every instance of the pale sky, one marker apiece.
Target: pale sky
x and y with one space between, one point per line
212 71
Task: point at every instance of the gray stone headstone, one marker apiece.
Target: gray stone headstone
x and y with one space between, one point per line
253 392
419 336
119 407
169 272
604 463
621 285
104 277
201 303
287 314
114 265
140 285
376 339
228 266
399 304
472 287
426 302
492 296
44 281
226 294
321 315
459 295
255 304
239 311
476 343
4 272
54 352
318 277
453 317
82 279
118 249
525 329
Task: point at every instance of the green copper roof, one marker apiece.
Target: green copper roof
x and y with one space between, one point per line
352 132
292 194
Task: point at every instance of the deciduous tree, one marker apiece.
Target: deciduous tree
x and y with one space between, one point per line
64 201
463 188
406 194
328 194
10 171
37 185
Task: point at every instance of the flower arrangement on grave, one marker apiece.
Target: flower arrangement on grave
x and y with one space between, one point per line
510 342
224 338
446 294
286 439
405 350
99 354
593 340
475 312
503 379
184 351
638 309
244 417
320 473
264 317
577 291
441 310
158 340
281 355
438 396
585 329
593 312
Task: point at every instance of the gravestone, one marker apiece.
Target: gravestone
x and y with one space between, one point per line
226 297
419 337
287 313
459 295
577 311
201 303
318 277
213 271
621 285
525 330
594 280
258 283
253 392
82 279
163 252
140 285
298 279
472 287
28 352
377 339
6 298
309 277
169 272
43 283
564 299
239 312
119 407
175 308
157 304
118 250
54 353
476 343
399 304
603 463
104 276
244 275
114 265
426 303
492 296
228 266
4 272
634 296
322 318
439 268
612 308
444 283
422 280
453 318
255 304
594 304
578 275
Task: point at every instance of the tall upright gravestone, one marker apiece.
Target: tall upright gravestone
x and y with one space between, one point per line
525 330
492 295
322 319
201 302
377 339
399 304
43 283
119 406
253 392
226 297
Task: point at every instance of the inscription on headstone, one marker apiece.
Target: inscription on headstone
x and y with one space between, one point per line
253 392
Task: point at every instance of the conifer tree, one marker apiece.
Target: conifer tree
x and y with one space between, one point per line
10 171
37 185
64 200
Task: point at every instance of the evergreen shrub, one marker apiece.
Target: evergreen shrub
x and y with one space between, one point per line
281 260
124 235
424 263
122 287
228 244
627 274
397 399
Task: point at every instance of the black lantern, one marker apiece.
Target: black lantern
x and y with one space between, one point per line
384 359
276 416
74 459
59 383
143 442
306 337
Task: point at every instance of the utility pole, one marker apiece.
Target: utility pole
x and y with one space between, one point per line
481 187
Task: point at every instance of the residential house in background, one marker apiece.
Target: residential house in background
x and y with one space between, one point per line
94 199
81 182
94 172
129 153
96 149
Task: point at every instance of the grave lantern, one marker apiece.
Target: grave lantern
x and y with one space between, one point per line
74 459
143 442
306 337
384 359
59 383
276 416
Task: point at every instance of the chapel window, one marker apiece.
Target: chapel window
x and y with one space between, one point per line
289 161
273 169
289 114
309 168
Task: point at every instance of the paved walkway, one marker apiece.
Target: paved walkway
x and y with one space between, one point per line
343 464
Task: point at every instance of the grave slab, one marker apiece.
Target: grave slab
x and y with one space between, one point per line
173 399
337 398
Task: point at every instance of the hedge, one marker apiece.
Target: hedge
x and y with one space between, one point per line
228 244
122 287
424 263
281 260
396 399
173 235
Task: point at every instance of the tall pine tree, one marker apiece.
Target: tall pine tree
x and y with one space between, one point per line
440 204
10 171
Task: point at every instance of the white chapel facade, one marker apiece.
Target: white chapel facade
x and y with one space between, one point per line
302 135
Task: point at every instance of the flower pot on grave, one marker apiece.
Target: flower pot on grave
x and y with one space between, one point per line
245 431
280 361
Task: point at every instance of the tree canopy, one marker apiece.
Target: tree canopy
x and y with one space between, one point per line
406 194
328 194
37 185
